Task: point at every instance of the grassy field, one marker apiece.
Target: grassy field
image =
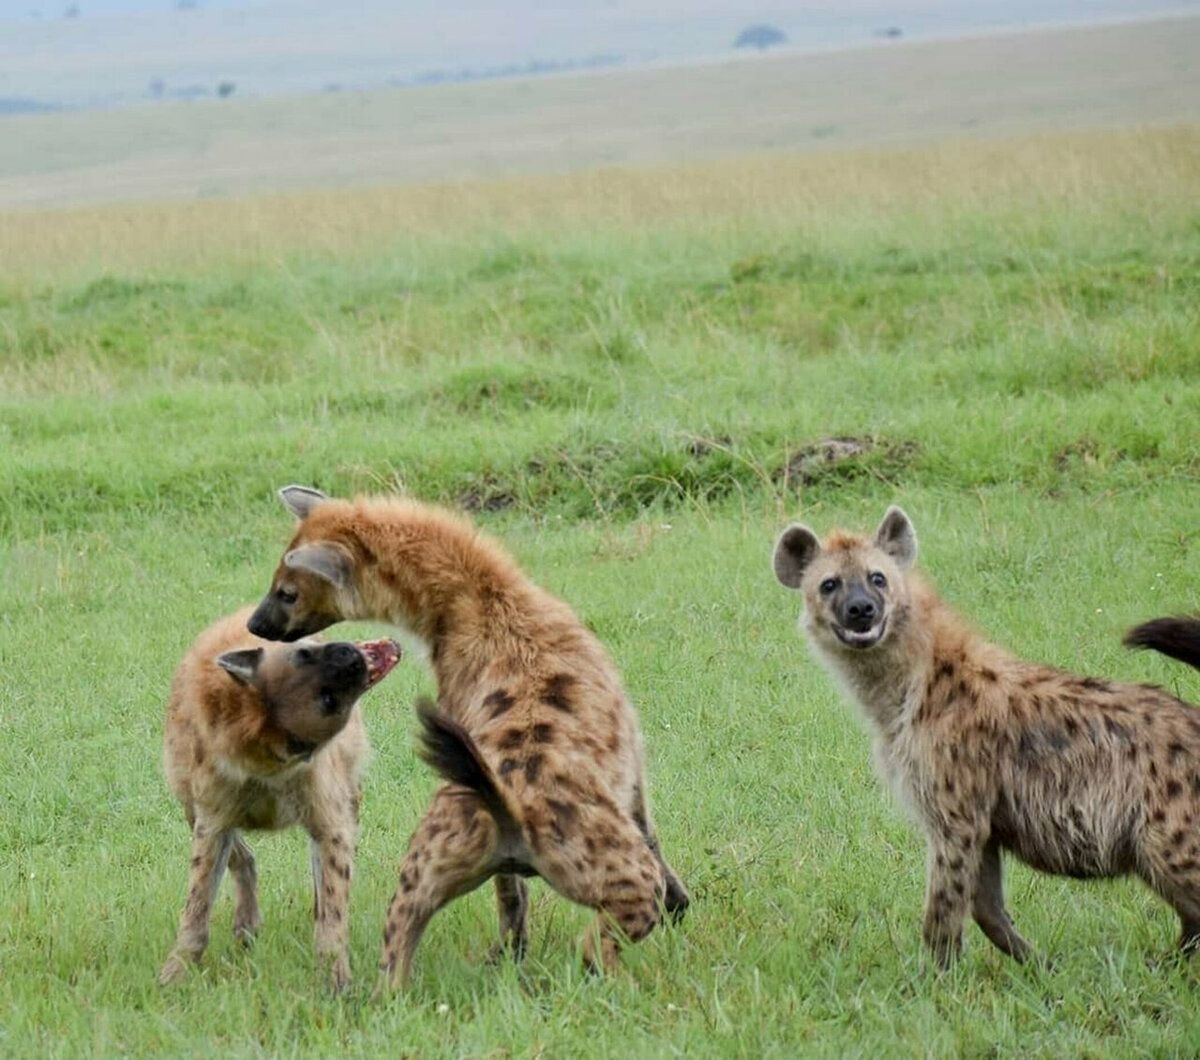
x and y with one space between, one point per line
623 374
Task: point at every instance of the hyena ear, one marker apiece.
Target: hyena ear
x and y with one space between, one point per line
300 500
897 537
325 561
796 548
241 665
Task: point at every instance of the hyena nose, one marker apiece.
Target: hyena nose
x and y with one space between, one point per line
861 612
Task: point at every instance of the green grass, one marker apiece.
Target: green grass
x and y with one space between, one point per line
620 404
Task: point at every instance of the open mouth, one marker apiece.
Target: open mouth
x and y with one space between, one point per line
381 656
868 638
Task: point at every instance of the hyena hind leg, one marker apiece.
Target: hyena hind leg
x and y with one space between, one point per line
512 905
988 907
451 852
627 890
247 919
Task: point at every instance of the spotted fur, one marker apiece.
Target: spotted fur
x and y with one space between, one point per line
1076 776
265 736
532 726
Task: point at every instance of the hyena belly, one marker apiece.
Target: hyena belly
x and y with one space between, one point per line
1071 818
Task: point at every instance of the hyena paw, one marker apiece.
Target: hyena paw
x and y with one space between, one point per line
173 971
246 925
339 975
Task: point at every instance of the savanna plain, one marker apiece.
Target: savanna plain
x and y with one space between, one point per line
629 377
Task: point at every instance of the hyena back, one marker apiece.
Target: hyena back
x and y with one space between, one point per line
1075 776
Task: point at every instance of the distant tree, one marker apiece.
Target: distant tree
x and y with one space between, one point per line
760 36
226 88
891 32
157 87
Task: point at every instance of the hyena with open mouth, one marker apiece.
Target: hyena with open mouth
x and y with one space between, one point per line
532 727
263 736
1075 776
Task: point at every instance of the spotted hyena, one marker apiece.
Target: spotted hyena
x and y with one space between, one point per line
532 725
263 735
1075 776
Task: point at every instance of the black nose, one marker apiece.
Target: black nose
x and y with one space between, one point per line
257 626
343 660
860 612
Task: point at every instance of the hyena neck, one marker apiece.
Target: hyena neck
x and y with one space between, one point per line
429 572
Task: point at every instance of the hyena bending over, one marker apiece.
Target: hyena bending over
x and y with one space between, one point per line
533 729
1075 776
262 735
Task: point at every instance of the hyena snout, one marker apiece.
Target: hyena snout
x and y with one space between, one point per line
860 611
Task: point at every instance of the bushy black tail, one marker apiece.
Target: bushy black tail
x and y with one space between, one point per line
1176 637
449 749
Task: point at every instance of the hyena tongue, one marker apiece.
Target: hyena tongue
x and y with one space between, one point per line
382 656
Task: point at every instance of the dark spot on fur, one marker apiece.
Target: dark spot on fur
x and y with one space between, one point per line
542 733
959 888
1158 816
1186 865
1174 789
498 702
955 863
944 670
1115 729
1178 836
555 692
989 675
512 738
1174 750
564 817
1153 767
1072 726
532 767
948 786
1093 684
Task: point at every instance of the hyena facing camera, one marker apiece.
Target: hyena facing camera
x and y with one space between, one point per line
1075 776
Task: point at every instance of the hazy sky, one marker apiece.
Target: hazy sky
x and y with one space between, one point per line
116 49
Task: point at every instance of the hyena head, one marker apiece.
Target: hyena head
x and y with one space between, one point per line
313 586
855 589
307 689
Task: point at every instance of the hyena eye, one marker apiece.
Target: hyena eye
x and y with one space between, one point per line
878 580
285 595
828 585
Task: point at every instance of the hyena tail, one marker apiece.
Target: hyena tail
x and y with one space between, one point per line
449 749
1176 637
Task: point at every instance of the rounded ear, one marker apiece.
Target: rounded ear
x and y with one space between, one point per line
300 500
796 548
241 665
325 561
897 537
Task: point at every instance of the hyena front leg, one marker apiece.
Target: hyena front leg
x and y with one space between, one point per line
332 854
988 908
452 852
210 852
512 904
952 875
246 916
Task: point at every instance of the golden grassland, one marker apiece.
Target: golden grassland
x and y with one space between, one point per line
849 193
